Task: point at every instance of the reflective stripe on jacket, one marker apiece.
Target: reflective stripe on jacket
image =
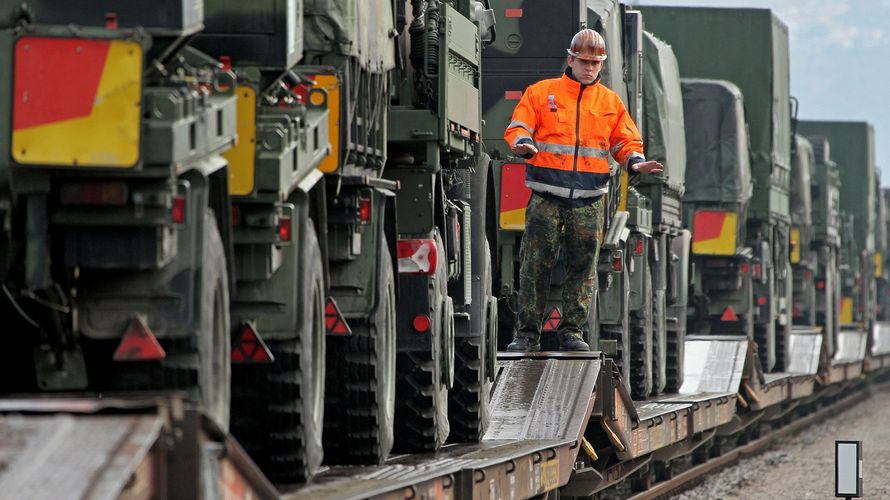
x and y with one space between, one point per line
572 159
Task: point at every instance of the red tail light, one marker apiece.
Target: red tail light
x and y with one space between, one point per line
820 285
421 323
761 301
744 268
93 193
639 249
364 210
139 343
758 271
418 256
177 211
284 229
616 262
250 348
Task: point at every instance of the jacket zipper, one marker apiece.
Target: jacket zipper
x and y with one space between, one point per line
577 141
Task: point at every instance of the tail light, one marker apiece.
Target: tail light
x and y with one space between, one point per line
758 271
178 210
820 285
418 256
744 268
639 248
616 262
364 210
761 301
421 323
284 229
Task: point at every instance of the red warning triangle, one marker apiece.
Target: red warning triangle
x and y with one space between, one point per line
729 315
334 322
139 343
250 348
553 320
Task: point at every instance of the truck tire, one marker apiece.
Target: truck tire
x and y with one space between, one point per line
361 391
280 407
468 400
640 373
422 393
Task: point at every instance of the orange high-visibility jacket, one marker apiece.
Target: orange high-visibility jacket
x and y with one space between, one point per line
574 129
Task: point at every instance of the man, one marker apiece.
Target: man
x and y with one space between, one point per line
566 128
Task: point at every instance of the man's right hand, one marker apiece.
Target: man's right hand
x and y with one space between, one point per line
525 150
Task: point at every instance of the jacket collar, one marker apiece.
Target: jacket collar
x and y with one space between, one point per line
573 85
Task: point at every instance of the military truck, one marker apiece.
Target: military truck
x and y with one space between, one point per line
826 242
716 204
345 203
884 294
803 252
852 147
726 44
117 237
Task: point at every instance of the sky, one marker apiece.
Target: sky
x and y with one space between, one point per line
840 59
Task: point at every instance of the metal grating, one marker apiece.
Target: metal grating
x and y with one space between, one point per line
805 348
542 399
713 364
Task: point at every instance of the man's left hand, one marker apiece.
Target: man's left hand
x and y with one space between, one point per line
648 167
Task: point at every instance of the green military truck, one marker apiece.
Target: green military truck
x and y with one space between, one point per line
279 208
884 294
116 238
803 251
726 44
852 148
715 208
826 218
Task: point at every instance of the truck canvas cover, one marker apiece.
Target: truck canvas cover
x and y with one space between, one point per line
853 149
718 169
663 109
359 28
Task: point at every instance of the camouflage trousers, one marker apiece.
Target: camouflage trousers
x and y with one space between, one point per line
578 232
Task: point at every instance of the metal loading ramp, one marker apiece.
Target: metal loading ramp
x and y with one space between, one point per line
879 356
852 344
540 406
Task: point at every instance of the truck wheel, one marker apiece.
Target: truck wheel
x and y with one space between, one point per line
640 373
214 346
422 393
361 390
280 407
468 401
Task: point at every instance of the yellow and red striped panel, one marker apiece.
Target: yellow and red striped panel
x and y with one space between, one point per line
514 197
795 245
714 233
76 102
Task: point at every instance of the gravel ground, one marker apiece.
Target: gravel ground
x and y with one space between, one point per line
802 466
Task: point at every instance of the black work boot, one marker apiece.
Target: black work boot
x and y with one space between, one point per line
525 342
572 341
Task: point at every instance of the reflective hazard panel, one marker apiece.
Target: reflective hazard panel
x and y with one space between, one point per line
242 157
334 322
714 233
76 102
249 347
514 197
729 315
553 320
139 343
